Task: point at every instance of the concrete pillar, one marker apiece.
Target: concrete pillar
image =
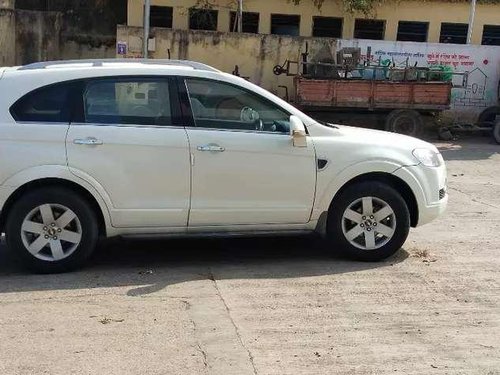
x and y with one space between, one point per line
434 31
7 4
348 27
180 18
265 23
306 26
391 29
7 33
223 20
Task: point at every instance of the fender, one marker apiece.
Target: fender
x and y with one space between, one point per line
413 182
62 172
328 186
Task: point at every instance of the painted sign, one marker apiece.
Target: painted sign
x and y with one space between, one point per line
482 63
121 48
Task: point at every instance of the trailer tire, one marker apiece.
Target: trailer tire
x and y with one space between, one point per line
404 121
487 117
496 132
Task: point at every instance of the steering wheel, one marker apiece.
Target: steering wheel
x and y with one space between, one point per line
259 125
252 116
247 114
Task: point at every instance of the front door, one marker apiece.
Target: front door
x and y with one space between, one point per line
245 167
127 143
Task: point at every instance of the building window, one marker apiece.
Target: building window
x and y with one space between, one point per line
330 27
32 4
453 33
250 22
369 29
161 16
412 31
491 35
285 24
203 19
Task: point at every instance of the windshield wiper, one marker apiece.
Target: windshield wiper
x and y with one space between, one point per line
328 124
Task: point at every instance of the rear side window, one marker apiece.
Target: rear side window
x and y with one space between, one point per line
134 101
48 104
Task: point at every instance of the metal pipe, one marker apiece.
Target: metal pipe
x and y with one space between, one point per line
240 16
472 15
145 40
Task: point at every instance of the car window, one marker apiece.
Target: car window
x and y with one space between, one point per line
129 101
221 105
48 104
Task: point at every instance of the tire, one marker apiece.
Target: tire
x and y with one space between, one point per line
487 117
404 121
340 225
496 132
58 243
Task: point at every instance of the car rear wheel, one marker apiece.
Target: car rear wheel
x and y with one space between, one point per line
368 221
51 230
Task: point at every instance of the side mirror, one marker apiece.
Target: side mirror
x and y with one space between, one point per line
298 132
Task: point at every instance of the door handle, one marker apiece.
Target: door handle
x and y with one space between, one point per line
89 141
212 148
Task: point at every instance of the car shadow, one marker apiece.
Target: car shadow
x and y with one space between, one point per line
149 266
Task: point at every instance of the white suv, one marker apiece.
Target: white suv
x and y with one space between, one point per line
169 148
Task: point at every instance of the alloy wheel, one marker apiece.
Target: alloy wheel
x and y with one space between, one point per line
51 232
368 223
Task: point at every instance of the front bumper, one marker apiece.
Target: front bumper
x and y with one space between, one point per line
429 187
432 212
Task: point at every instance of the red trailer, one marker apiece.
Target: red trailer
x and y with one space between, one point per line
350 90
401 104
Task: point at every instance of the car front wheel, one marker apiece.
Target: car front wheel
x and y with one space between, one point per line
368 221
51 230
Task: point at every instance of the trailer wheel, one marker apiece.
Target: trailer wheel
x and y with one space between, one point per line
487 117
404 121
496 132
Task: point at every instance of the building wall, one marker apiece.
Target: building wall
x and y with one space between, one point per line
256 55
433 12
30 32
37 36
7 37
481 62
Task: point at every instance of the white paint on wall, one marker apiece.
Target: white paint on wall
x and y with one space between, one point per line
482 62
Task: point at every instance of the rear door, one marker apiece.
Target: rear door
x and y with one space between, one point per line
41 123
127 138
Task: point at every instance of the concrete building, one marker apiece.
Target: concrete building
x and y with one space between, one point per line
405 33
35 30
418 21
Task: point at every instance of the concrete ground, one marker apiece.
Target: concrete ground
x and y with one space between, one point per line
274 306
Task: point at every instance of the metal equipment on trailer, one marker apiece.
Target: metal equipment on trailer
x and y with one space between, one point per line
400 96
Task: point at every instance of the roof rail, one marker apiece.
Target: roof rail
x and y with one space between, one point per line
99 63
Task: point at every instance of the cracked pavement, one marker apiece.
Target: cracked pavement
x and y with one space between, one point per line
274 305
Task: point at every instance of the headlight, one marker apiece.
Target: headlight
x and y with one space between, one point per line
427 157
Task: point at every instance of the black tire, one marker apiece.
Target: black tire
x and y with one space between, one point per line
378 190
56 196
496 132
488 116
404 121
